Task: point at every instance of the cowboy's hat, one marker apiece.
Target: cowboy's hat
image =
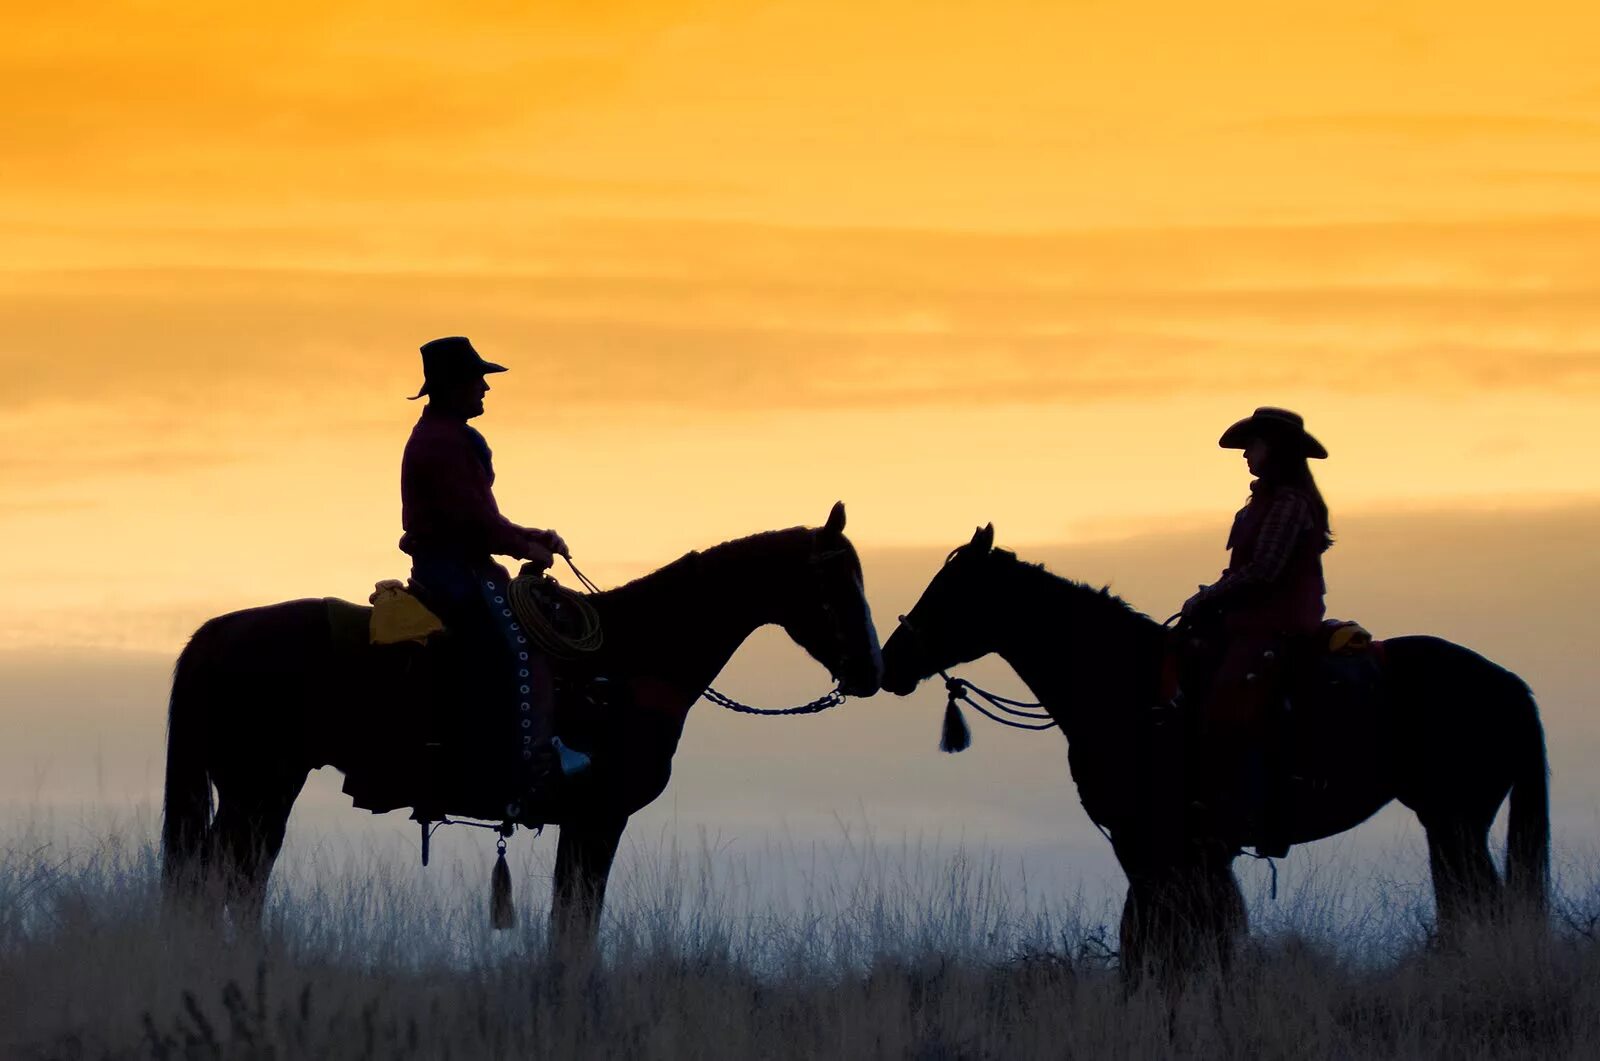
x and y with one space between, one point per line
1276 426
450 360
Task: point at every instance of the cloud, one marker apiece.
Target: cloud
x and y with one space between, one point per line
13 508
1559 178
1019 114
42 469
218 114
681 314
1436 126
57 458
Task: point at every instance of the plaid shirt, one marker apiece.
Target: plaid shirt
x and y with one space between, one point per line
1289 517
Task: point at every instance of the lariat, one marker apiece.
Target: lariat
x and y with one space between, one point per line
530 591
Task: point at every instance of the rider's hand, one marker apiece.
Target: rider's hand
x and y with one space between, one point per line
1193 604
537 555
554 542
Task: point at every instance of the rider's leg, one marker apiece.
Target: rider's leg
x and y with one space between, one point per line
1233 772
473 691
536 757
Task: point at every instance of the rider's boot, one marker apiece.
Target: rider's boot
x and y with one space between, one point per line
572 761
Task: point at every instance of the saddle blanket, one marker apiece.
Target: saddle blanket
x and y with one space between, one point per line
398 616
1345 637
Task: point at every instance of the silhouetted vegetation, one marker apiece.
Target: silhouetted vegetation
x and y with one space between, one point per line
920 957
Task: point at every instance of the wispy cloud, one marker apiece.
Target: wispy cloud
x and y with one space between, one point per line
1579 178
682 313
1021 114
1436 126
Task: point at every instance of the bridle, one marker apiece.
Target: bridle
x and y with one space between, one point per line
962 691
833 697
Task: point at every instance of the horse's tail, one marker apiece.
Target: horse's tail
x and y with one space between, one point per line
1528 828
186 800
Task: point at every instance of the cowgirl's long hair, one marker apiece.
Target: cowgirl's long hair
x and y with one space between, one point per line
1286 467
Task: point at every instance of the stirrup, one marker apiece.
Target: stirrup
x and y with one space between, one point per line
572 761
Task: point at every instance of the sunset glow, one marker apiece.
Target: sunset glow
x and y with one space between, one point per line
952 263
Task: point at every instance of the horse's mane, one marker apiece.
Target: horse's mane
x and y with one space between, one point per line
652 606
1057 592
693 566
1110 640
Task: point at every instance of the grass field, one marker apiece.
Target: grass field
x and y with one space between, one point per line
920 954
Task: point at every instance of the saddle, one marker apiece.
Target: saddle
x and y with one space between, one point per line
1311 689
1340 655
1338 664
409 749
560 621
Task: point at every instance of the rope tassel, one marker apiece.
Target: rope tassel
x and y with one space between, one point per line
502 914
957 735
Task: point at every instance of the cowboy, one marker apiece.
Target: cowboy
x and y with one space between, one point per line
1271 592
452 529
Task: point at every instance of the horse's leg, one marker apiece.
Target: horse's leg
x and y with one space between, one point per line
247 836
1133 940
1465 885
1183 919
1223 912
1138 933
1159 927
583 866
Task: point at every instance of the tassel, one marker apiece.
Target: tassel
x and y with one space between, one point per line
501 913
957 737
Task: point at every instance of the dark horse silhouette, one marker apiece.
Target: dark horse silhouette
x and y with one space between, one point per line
261 697
1445 731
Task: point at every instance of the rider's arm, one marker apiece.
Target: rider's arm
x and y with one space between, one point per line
457 483
1287 519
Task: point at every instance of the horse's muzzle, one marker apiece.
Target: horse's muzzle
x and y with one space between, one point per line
900 684
862 684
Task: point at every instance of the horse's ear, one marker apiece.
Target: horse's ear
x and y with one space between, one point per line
983 537
835 524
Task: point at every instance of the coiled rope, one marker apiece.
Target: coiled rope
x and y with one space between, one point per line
526 592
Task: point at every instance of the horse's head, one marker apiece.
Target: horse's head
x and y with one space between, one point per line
938 633
829 617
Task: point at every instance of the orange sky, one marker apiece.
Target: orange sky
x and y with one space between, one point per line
950 262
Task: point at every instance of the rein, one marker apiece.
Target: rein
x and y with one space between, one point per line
583 578
831 698
960 689
957 736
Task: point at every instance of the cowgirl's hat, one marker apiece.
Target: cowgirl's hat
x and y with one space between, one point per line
1276 426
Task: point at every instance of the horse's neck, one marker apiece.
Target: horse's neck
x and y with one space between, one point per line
684 625
1082 654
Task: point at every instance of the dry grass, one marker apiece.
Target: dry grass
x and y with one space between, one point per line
921 955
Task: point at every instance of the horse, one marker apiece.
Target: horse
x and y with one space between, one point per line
263 696
1443 730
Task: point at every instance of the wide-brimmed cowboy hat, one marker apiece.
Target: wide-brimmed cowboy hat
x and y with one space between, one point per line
1276 426
450 360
